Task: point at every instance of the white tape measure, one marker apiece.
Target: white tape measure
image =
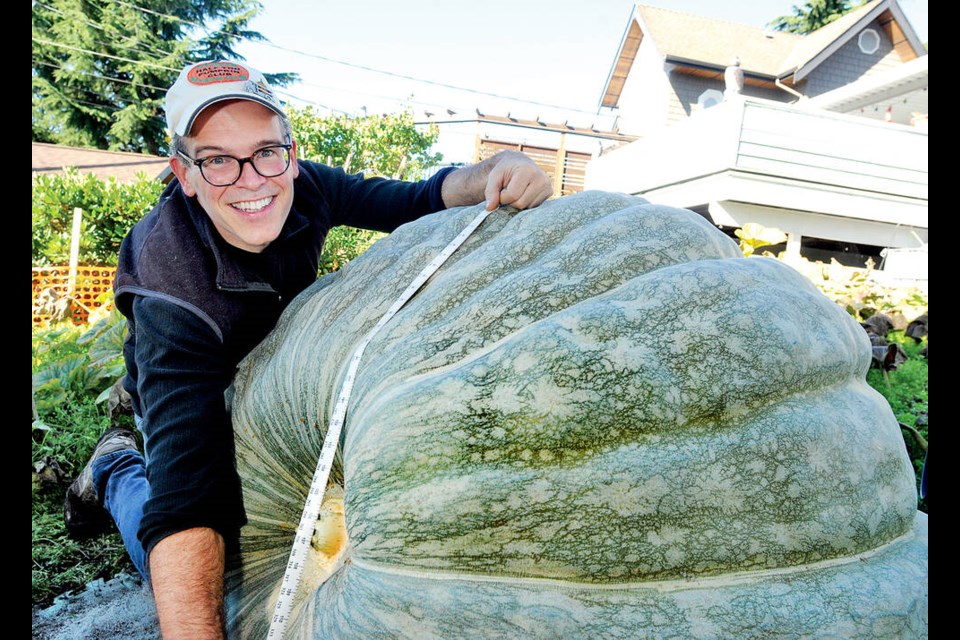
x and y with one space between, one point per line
311 511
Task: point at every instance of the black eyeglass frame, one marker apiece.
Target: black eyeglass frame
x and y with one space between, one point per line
240 162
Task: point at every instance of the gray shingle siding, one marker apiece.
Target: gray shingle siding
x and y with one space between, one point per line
849 64
687 90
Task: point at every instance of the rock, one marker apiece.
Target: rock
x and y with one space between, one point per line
889 357
48 472
878 324
917 329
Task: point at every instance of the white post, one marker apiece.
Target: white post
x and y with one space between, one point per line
74 250
793 248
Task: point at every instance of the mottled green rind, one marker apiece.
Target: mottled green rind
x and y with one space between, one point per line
877 595
599 390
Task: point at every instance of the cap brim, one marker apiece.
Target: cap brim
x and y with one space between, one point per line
185 124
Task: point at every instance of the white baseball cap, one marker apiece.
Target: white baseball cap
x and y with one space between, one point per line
205 83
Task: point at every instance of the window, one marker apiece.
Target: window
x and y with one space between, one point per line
869 41
709 98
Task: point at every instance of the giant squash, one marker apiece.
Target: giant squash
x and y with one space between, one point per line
597 419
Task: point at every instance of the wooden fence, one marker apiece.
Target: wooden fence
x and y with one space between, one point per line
566 169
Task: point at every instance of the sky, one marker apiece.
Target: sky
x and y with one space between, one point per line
531 58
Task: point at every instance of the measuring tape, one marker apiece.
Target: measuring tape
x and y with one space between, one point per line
311 511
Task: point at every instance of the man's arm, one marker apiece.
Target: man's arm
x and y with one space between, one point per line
508 178
195 497
186 574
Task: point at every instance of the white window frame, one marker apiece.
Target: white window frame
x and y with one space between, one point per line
711 96
864 47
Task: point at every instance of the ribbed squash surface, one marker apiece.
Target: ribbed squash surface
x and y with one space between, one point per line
598 416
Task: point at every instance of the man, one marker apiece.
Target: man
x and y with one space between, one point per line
201 280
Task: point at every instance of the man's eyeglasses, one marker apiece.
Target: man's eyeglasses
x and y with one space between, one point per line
223 171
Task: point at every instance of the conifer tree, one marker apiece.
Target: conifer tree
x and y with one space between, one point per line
813 15
101 68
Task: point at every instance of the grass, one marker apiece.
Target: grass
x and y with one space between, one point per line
60 563
70 422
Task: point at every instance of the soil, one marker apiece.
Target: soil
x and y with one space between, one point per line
119 609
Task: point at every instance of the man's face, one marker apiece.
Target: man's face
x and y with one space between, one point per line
250 213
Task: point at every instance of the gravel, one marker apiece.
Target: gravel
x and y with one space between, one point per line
119 609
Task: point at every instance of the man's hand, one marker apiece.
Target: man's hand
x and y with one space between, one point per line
508 178
186 575
516 180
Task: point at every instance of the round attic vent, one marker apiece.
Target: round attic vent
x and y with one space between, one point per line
709 98
869 41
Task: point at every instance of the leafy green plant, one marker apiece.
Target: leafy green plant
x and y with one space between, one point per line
387 145
754 236
109 210
344 244
857 290
73 367
861 294
78 360
906 390
62 564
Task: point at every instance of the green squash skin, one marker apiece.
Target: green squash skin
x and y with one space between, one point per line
598 395
882 594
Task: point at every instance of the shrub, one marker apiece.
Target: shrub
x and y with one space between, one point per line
109 210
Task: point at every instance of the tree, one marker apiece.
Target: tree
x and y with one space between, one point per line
813 15
379 145
101 68
387 145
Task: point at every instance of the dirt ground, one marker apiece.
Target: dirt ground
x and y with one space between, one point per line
119 609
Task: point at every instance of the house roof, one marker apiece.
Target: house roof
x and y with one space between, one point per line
819 45
124 166
697 42
685 37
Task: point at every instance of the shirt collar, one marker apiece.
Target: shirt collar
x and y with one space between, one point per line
229 275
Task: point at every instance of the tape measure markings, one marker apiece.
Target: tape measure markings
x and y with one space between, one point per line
311 510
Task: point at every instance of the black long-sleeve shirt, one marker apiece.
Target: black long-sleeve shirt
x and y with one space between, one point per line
196 306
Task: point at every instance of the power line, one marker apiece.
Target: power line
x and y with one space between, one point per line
149 50
362 67
421 80
159 89
374 95
318 57
163 15
104 55
101 77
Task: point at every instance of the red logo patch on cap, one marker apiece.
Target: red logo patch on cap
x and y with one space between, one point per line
214 72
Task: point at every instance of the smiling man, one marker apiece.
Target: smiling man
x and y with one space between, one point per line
202 279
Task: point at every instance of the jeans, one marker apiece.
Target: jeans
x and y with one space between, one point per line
121 478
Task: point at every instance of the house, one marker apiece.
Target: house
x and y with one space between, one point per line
124 166
561 149
822 136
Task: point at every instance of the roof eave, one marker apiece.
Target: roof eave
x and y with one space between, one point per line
751 78
626 53
897 21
